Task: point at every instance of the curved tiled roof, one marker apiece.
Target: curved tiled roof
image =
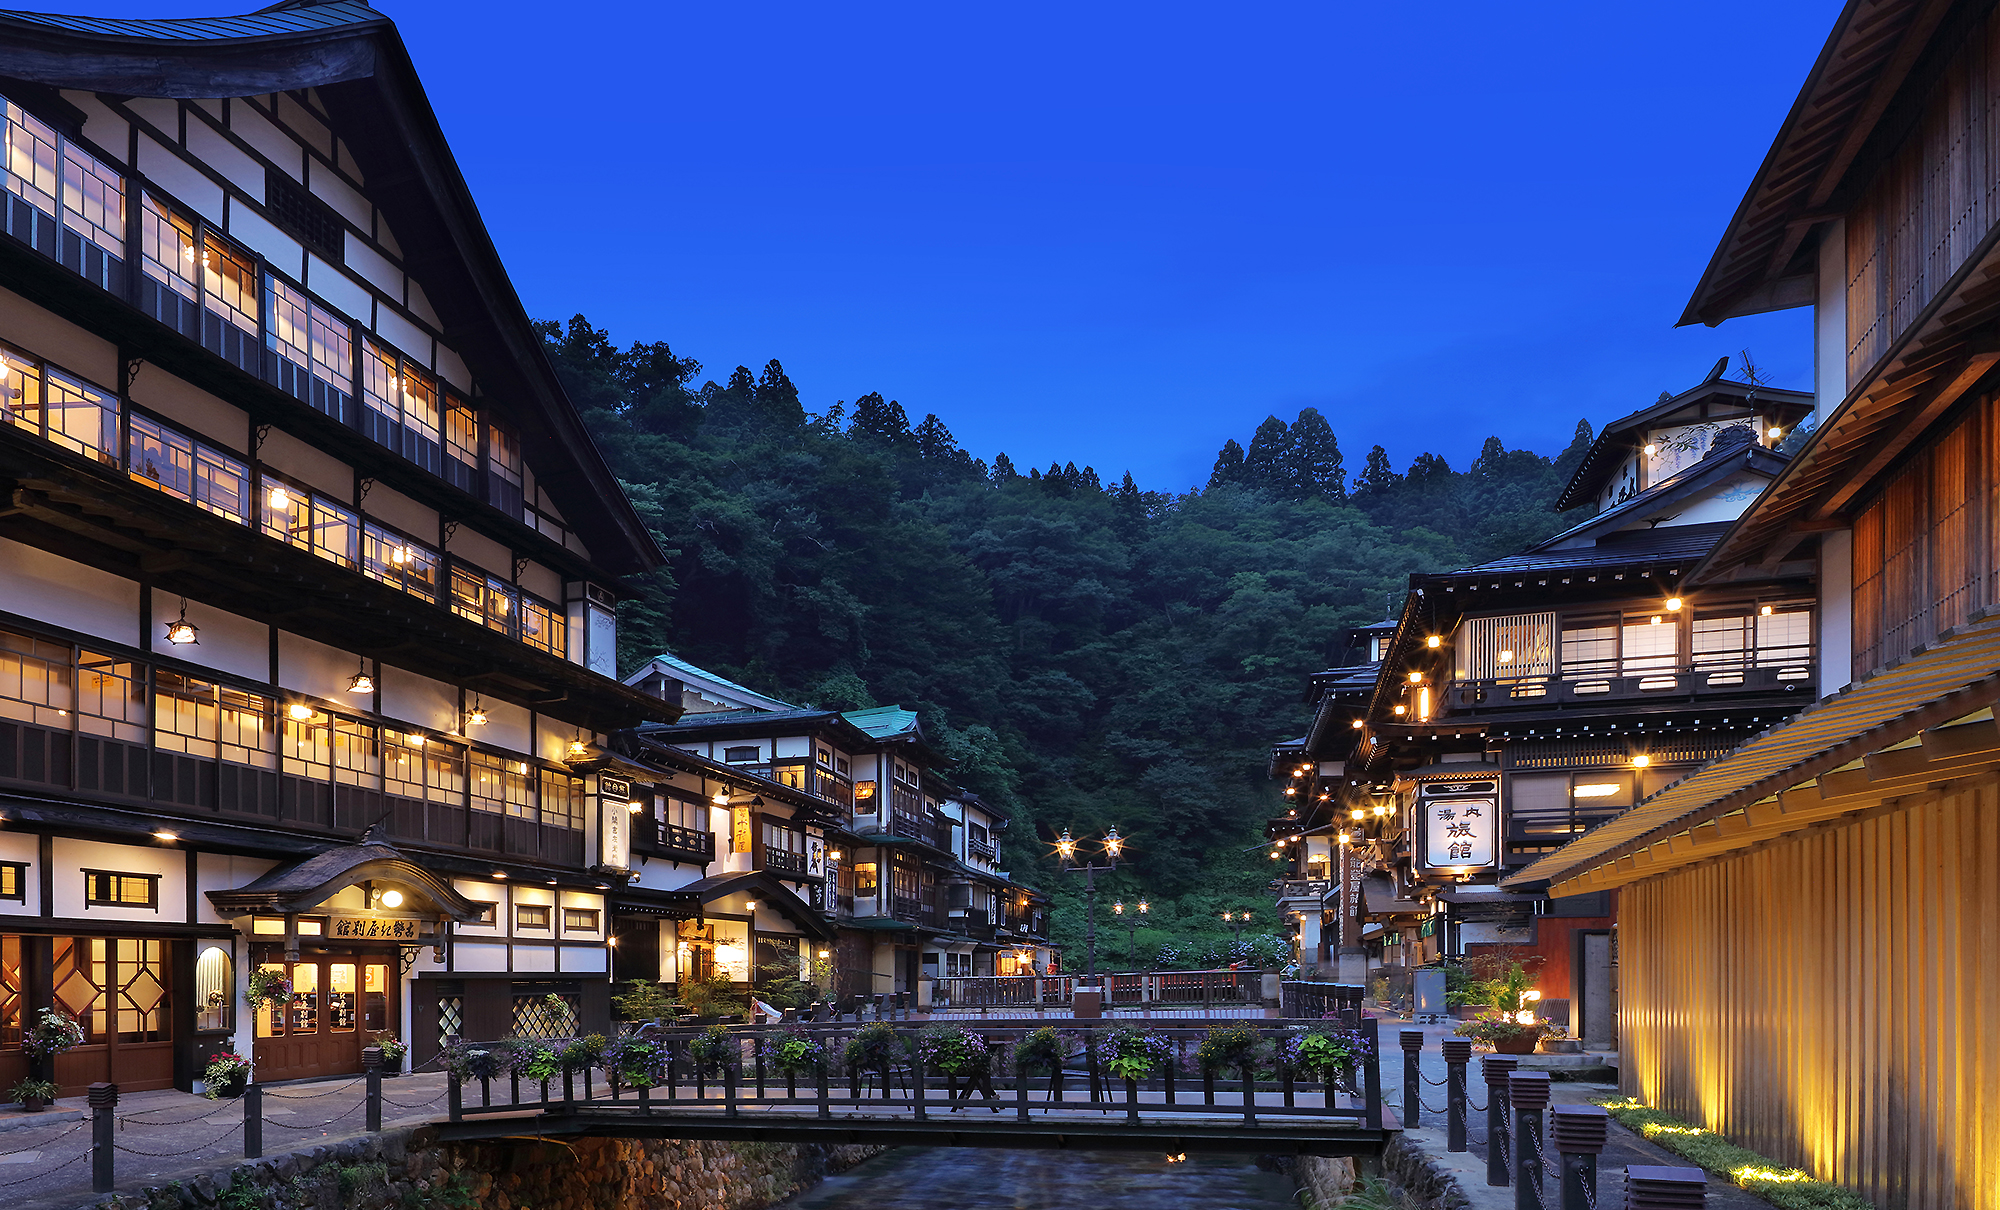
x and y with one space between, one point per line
277 20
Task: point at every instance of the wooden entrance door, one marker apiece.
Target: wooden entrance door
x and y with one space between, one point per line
118 989
340 1002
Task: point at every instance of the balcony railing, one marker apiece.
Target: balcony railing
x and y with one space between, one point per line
806 776
1312 890
784 861
931 831
985 850
672 840
902 907
1583 687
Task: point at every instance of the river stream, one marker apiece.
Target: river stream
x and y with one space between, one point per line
960 1178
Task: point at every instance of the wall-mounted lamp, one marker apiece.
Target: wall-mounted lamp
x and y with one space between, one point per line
181 631
361 682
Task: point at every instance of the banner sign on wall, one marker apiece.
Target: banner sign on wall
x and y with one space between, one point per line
614 823
816 856
1459 831
739 829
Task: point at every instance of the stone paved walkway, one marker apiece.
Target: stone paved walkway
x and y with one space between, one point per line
168 1135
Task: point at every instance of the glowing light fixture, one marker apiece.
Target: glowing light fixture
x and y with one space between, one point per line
1641 761
1506 657
1356 813
476 717
634 807
1401 709
180 631
1346 839
1290 790
1416 678
1358 724
392 899
1651 448
400 555
1673 604
1066 845
165 835
1766 611
361 682
577 748
1113 842
1774 432
1434 642
721 798
280 499
1602 789
299 711
1655 619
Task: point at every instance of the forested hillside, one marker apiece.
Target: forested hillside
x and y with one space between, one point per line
1089 652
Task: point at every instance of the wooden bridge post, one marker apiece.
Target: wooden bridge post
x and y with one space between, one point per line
825 1105
1021 1092
728 1088
1371 1072
645 1100
1249 1093
917 1084
1131 1101
454 1100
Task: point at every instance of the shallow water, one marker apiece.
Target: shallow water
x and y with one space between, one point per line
948 1178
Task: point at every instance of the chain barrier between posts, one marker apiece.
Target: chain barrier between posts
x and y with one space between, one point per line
185 1151
42 1172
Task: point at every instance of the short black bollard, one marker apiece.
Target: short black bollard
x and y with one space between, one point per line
1529 1092
917 1078
825 1106
1496 1069
728 1088
1413 1075
103 1120
1661 1188
371 1063
1457 1053
253 1117
1371 1072
1579 1133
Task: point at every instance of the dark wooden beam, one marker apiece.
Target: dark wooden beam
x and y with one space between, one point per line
1943 391
1915 37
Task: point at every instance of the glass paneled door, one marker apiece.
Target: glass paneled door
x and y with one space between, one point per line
340 1003
117 988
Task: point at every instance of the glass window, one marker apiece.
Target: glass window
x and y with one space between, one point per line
221 484
106 888
111 697
378 384
562 800
157 455
865 875
93 200
28 159
167 247
503 454
1651 644
340 997
394 559
402 763
20 391
290 332
502 786
336 532
1784 634
80 417
543 626
531 916
287 512
245 728
230 279
579 920
444 772
420 402
357 755
35 680
184 715
14 882
271 1017
306 743
485 599
1720 638
461 433
215 989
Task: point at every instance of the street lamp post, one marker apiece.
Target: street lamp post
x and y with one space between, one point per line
1131 927
1235 921
1066 855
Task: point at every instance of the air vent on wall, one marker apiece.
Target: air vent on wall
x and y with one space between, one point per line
304 215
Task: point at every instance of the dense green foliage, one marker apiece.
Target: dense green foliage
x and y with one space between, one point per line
1088 653
1787 1188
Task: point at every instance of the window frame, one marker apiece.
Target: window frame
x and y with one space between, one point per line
547 913
19 872
91 899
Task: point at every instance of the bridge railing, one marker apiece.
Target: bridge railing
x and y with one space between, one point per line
1326 1001
1241 1071
1206 988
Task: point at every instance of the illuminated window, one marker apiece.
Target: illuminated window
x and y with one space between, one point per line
314 347
229 285
14 881
1598 790
28 159
866 879
104 888
93 205
528 916
579 920
167 248
395 560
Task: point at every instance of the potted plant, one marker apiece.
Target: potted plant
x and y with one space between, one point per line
393 1052
225 1076
1324 1054
269 985
1230 1044
712 1048
33 1095
634 1063
793 1052
1506 1033
1134 1054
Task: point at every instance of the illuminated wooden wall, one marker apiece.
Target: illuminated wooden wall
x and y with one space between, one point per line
1832 999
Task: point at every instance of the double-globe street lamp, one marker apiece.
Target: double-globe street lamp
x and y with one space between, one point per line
1235 921
1131 926
1068 856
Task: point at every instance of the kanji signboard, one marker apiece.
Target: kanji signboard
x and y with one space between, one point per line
1460 831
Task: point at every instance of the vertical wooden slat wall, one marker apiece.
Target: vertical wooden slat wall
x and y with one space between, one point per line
1830 998
1928 207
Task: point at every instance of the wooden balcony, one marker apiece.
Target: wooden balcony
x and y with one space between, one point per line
674 842
902 907
784 862
985 850
1588 688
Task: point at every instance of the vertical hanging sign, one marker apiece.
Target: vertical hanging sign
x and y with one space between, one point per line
1459 831
816 856
739 829
614 823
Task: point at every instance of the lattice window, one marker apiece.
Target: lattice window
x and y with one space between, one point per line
553 1015
1508 648
451 1016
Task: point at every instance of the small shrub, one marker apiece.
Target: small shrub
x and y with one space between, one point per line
1787 1188
1043 1048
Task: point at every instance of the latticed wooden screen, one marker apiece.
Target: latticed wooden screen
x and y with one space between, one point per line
1923 549
1517 647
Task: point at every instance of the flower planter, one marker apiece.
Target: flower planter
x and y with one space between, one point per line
33 1104
1523 1045
231 1088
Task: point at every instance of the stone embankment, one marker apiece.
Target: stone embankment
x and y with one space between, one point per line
399 1170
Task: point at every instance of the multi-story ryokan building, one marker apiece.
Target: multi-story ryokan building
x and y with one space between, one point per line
1807 924
862 848
306 639
1518 703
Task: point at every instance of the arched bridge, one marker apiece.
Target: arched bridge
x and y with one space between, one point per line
1258 1088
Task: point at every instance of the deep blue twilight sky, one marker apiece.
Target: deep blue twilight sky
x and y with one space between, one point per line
1122 233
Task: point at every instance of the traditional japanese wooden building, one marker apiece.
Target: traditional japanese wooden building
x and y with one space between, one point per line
1806 922
1516 704
887 869
307 567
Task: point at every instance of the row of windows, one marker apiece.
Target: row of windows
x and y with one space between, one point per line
1746 634
85 419
198 282
54 684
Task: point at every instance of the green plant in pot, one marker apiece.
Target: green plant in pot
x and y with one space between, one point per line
33 1095
1135 1054
225 1076
1228 1045
1506 1033
394 1051
269 985
1043 1048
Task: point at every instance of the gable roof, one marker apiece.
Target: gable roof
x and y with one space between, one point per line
354 57
668 662
1617 440
1859 72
